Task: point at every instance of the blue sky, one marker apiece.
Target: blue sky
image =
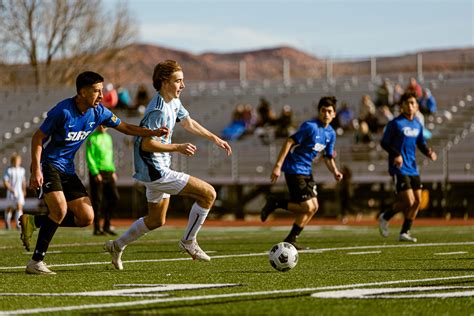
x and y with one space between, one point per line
325 28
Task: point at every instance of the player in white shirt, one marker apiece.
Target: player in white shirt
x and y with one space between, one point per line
152 166
14 181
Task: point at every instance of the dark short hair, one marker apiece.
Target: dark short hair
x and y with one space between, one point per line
327 101
407 95
87 79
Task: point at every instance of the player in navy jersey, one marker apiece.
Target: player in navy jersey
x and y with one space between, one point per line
401 137
53 147
152 166
295 160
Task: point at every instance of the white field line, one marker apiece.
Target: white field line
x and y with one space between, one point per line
364 252
450 253
320 250
218 296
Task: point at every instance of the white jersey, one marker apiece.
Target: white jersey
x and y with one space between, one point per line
152 166
15 176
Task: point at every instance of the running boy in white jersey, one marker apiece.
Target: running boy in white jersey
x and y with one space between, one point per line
14 182
152 166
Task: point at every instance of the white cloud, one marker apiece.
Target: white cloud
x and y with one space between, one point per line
200 38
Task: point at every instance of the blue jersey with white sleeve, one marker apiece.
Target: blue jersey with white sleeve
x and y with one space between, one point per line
402 136
152 166
67 128
311 139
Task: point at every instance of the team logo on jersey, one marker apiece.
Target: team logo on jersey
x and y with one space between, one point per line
91 124
77 136
319 147
114 118
410 132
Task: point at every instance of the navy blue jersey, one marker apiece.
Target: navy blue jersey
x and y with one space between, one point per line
67 129
402 136
311 138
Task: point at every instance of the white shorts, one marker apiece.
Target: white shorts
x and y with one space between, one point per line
171 183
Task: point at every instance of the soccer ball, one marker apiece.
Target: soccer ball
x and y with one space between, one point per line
283 256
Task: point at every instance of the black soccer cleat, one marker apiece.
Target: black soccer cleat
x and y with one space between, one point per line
296 245
269 207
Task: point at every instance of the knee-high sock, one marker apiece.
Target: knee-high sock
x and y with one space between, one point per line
45 235
137 230
197 216
18 213
8 218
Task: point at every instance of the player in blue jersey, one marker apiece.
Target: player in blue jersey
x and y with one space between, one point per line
401 137
152 166
53 147
295 160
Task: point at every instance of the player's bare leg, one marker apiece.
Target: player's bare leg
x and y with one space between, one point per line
304 212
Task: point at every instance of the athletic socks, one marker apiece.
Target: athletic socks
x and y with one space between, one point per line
68 220
388 214
406 226
45 235
8 218
197 216
295 232
137 230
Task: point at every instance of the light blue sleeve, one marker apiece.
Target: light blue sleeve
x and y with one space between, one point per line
182 113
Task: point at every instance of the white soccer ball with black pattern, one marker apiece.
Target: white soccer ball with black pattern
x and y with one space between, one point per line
283 256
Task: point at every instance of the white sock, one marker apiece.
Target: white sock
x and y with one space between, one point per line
8 218
18 213
137 230
197 216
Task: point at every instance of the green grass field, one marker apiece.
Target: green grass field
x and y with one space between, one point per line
348 271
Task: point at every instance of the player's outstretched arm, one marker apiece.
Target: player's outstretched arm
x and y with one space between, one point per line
134 130
150 145
197 129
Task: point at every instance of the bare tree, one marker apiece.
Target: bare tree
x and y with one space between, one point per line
66 32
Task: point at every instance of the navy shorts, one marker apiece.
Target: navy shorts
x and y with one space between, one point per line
55 180
302 187
403 183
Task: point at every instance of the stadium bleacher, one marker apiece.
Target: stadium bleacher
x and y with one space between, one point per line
212 105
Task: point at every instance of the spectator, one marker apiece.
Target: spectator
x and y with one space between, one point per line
385 94
427 102
142 97
285 123
124 99
345 193
102 179
397 93
367 113
266 116
110 98
383 116
413 86
250 118
344 117
265 121
236 128
14 181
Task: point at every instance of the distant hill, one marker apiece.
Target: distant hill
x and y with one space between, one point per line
135 63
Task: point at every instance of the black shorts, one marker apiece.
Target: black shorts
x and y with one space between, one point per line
403 183
302 188
55 180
